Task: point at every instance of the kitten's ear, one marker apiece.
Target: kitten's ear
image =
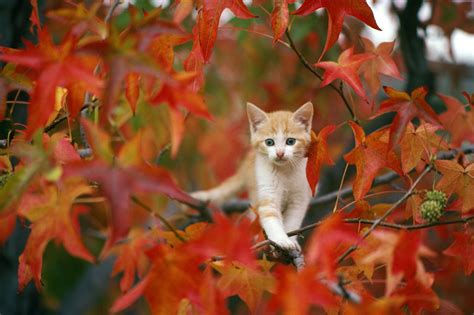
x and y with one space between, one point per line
304 115
256 116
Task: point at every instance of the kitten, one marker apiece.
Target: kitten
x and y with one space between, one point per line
273 172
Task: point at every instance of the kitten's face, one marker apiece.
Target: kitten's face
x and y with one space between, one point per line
283 137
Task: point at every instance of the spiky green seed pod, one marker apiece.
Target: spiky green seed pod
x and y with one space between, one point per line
431 210
437 195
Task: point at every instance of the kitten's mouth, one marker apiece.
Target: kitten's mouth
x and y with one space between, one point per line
280 161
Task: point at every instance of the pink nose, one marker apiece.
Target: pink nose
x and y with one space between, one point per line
280 154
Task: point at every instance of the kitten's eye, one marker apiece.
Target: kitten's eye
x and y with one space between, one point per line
290 141
269 142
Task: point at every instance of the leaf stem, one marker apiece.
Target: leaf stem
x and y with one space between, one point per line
308 66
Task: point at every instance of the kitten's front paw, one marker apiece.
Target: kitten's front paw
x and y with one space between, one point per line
201 195
287 244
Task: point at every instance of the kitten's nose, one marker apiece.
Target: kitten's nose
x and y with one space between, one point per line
280 154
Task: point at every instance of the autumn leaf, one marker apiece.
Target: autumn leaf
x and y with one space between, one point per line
318 155
280 16
34 16
120 178
7 225
52 217
191 232
416 141
180 96
463 249
132 89
248 283
457 120
401 253
297 291
183 9
174 276
407 107
80 18
131 256
418 297
384 306
194 63
382 63
370 155
328 242
208 19
459 180
53 66
346 69
336 11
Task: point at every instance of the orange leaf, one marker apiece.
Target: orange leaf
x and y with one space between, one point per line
463 249
457 179
280 17
457 120
209 17
407 107
51 218
369 156
318 155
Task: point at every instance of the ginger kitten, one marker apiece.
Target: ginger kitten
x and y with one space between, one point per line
273 172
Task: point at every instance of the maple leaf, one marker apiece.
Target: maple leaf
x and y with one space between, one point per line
384 306
280 17
209 16
370 155
191 232
176 96
381 63
51 218
407 107
249 284
401 253
7 225
318 155
337 10
131 256
418 297
53 66
459 180
463 249
328 242
457 120
132 89
346 69
235 246
297 291
416 141
174 276
120 179
183 9
195 61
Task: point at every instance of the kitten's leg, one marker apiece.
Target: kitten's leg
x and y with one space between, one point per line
224 191
272 223
294 213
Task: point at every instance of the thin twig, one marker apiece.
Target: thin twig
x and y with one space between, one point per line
387 213
395 226
162 219
308 66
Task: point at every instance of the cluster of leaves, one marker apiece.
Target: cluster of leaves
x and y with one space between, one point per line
108 79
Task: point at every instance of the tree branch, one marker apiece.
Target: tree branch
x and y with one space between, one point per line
308 66
387 213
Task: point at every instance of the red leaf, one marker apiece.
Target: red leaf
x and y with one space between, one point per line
457 179
318 155
370 155
457 120
7 225
418 297
51 218
132 89
382 63
337 10
34 16
328 242
297 291
280 17
463 249
53 66
209 17
407 107
345 69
